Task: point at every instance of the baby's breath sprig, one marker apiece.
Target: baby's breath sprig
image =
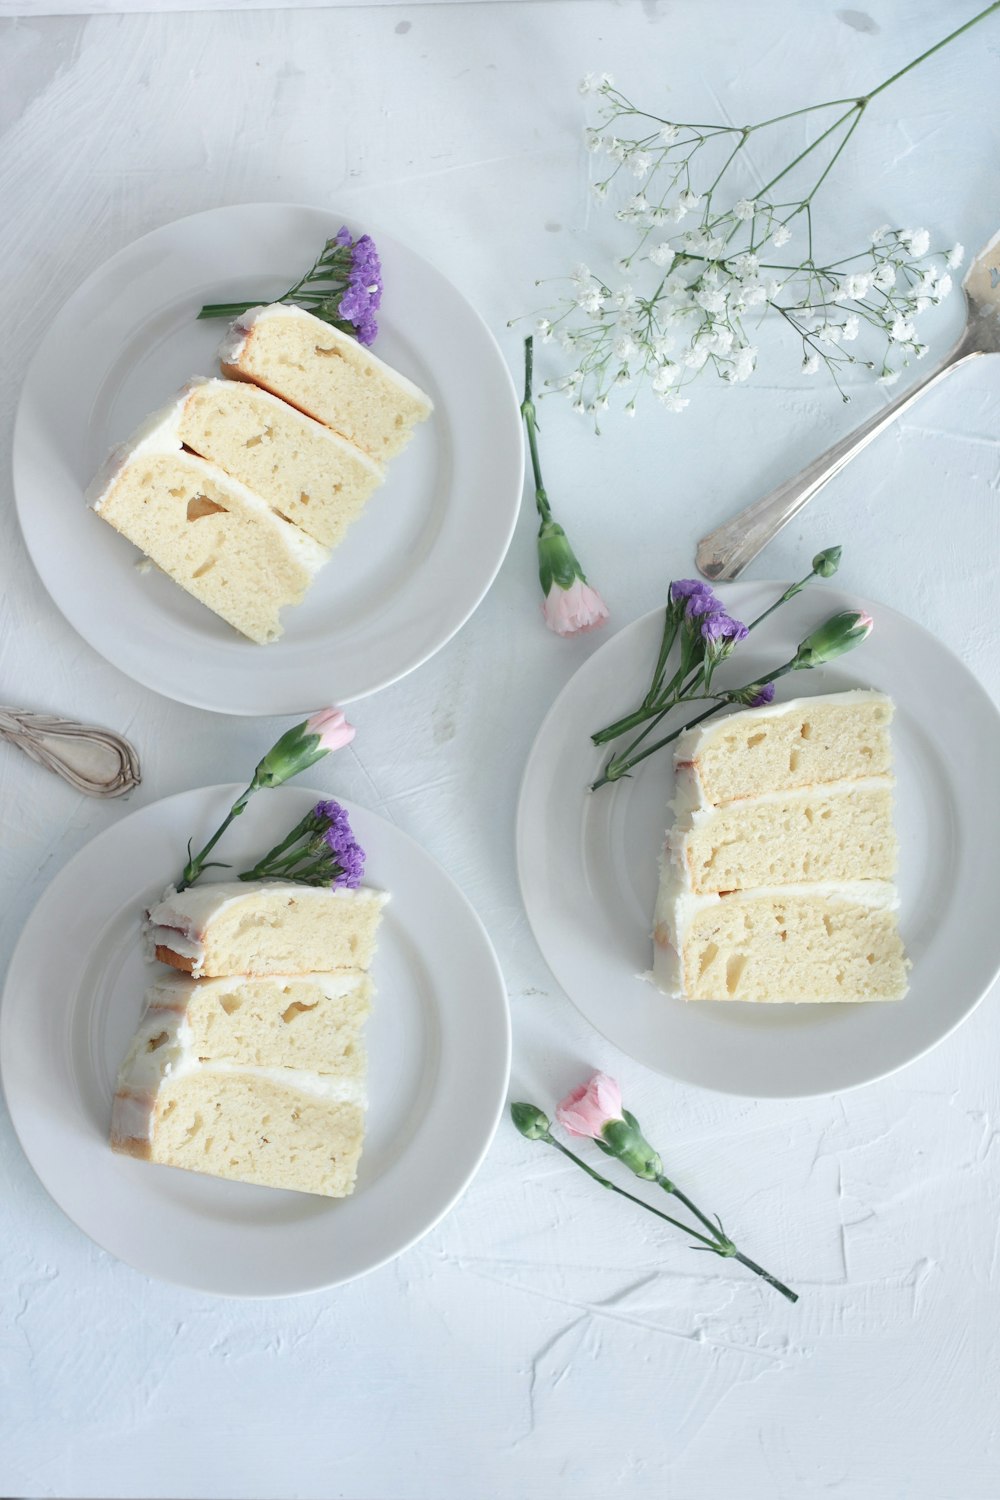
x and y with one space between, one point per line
686 295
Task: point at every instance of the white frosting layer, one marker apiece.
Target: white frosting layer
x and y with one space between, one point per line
232 345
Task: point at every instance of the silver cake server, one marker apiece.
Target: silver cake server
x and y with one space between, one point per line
725 552
95 761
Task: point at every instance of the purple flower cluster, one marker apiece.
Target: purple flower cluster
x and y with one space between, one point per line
363 293
336 833
717 628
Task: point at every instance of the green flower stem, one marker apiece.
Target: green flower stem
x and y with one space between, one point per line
619 766
751 1265
670 1187
606 1182
273 856
196 863
531 424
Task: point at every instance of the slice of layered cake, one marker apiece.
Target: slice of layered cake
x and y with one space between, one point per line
305 472
259 1080
327 375
265 927
207 531
776 876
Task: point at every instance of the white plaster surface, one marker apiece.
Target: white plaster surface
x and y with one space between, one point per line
544 1340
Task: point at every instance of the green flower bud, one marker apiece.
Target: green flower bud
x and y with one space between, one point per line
624 1139
838 634
530 1121
557 562
826 563
302 746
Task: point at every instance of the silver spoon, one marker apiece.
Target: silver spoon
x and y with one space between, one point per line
725 552
95 761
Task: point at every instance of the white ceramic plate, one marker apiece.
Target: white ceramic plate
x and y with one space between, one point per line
588 861
439 1057
410 571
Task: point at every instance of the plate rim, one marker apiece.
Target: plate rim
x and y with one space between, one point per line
454 1195
204 701
876 608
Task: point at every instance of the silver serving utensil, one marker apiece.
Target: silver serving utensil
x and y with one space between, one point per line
93 760
725 552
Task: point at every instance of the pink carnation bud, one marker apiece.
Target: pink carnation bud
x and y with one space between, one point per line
331 726
590 1107
573 610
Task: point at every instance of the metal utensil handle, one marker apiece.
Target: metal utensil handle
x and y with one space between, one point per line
92 760
725 552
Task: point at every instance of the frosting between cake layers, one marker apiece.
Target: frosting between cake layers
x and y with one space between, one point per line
147 1067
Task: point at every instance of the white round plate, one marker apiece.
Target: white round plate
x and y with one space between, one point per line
588 861
438 1042
411 570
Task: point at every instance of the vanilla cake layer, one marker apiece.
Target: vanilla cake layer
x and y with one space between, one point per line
264 1127
793 943
210 534
326 374
838 737
264 927
308 1021
308 474
843 831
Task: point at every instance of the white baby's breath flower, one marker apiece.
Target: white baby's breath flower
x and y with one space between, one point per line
885 277
919 350
579 408
753 294
544 329
615 148
901 330
623 348
888 377
623 300
943 287
743 364
878 236
580 273
810 363
916 241
675 213
588 83
592 138
669 134
666 377
781 236
772 288
854 288
829 333
852 325
744 209
695 358
689 201
711 298
639 163
662 253
745 266
673 402
955 257
589 299
662 344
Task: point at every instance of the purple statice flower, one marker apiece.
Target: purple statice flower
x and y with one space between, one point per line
683 589
763 695
363 293
721 630
336 834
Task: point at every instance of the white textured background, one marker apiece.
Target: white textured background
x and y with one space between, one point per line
542 1342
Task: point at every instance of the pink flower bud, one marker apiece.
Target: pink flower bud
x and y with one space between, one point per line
573 610
331 726
590 1107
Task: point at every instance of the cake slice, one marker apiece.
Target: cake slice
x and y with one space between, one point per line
264 927
208 532
308 474
217 1080
776 876
326 374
